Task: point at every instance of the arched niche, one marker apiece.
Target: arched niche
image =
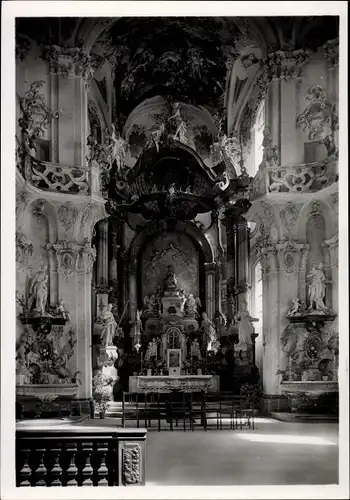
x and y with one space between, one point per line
315 238
40 228
316 207
147 237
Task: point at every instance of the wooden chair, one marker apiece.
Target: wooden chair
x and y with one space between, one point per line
179 407
211 406
197 408
152 409
130 408
243 412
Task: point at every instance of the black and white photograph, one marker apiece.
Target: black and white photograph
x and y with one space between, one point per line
174 250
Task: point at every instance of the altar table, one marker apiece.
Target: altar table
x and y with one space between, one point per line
170 383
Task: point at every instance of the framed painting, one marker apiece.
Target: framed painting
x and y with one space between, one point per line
174 361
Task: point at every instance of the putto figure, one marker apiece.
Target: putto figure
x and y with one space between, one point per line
295 308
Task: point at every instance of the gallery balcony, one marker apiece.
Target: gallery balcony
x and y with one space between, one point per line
56 177
303 178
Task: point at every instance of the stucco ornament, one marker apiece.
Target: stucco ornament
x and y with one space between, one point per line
289 254
66 254
22 198
35 115
319 118
289 215
24 250
331 49
67 215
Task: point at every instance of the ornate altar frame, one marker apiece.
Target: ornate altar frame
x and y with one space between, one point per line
140 240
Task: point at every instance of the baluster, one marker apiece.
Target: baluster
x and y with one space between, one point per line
112 463
87 470
102 471
56 471
41 471
72 470
26 472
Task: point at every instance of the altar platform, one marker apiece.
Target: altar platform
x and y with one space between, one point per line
170 383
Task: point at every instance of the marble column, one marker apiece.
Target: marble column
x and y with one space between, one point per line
70 70
113 265
290 152
331 246
271 324
74 264
273 111
86 258
102 265
242 259
210 276
230 274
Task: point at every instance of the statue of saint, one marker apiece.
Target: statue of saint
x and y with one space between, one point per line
208 331
38 291
317 288
245 326
118 147
171 280
195 349
192 304
109 326
180 133
157 135
152 349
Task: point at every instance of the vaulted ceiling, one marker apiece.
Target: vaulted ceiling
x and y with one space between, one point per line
186 59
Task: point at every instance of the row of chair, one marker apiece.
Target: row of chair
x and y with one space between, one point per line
191 408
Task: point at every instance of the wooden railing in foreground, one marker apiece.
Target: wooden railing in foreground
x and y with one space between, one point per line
80 456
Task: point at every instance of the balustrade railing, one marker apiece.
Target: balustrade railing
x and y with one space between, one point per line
300 178
80 456
307 177
57 178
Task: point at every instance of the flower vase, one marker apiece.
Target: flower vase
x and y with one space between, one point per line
102 414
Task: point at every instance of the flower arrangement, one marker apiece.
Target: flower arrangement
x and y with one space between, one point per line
101 392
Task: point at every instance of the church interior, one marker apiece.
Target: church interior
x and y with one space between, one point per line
177 250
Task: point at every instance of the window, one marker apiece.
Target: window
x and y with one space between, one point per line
258 297
259 136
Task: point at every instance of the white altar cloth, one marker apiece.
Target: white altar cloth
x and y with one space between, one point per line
169 383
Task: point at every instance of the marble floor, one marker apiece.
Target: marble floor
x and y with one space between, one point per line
274 453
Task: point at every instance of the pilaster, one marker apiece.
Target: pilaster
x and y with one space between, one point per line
70 71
